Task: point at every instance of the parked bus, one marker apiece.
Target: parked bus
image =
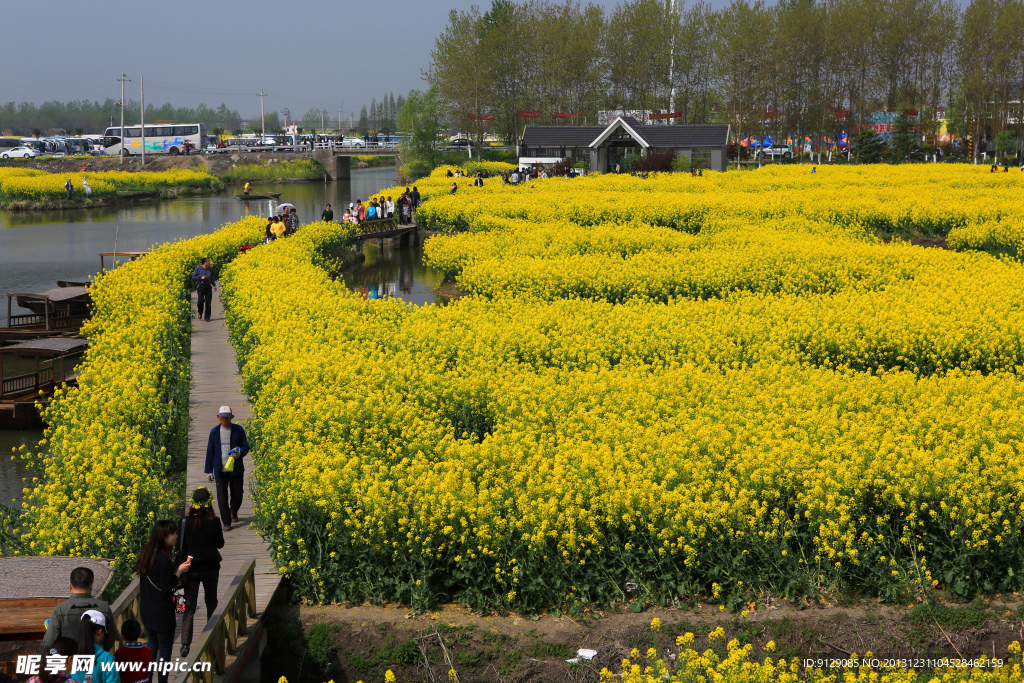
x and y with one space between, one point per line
160 139
10 143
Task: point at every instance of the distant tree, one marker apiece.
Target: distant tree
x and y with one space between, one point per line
364 122
868 146
421 119
457 71
1005 143
905 145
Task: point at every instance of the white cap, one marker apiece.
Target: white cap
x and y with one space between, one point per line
97 618
225 411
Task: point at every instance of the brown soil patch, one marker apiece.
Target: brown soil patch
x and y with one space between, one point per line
368 640
933 242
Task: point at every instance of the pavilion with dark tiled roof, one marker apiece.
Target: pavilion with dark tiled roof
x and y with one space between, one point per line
602 145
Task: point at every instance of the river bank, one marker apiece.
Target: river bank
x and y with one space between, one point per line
211 174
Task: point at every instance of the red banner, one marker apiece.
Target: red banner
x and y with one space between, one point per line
911 112
842 113
563 115
529 114
488 117
659 117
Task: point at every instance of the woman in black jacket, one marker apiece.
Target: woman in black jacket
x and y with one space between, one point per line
201 540
157 580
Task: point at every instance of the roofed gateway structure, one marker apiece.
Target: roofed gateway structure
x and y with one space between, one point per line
604 146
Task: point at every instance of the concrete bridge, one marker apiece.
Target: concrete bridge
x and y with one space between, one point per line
338 161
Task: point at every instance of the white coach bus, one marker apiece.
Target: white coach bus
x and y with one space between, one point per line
161 138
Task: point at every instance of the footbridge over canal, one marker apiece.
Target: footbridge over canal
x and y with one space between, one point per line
338 161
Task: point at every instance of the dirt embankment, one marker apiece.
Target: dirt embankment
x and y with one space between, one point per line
353 643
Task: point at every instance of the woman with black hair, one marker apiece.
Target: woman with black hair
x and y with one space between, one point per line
62 647
158 578
201 541
91 632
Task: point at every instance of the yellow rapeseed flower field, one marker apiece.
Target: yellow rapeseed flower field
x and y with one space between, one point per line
104 462
17 184
680 387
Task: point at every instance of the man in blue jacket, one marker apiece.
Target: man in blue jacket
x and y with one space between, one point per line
227 440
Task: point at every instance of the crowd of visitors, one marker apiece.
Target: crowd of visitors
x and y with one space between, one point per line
281 225
378 208
178 556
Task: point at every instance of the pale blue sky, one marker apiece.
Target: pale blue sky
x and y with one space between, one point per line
304 53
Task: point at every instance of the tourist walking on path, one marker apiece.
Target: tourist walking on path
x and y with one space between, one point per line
202 276
328 215
66 617
91 633
69 187
158 577
224 452
199 540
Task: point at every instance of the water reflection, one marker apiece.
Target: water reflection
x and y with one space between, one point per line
391 272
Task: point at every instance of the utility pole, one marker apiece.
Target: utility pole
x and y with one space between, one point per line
263 118
672 59
142 85
123 79
339 120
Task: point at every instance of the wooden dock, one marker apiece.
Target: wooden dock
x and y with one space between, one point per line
216 382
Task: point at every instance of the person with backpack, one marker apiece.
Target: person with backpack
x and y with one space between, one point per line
158 577
202 276
200 539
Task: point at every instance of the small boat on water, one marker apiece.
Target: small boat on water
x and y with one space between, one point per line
74 300
55 313
265 195
19 393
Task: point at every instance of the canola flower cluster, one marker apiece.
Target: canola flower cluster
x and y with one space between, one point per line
17 184
817 408
110 444
732 662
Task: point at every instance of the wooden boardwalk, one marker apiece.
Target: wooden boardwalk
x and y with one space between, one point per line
216 382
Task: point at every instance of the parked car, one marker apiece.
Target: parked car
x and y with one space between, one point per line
353 143
775 150
22 152
460 142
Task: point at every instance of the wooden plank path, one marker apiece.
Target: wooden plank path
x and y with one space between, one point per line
216 382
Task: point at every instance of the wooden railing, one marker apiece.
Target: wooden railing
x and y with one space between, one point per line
60 320
229 621
378 225
126 607
20 384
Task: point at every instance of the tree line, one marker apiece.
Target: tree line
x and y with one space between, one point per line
84 117
796 68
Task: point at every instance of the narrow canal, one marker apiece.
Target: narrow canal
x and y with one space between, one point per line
39 248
